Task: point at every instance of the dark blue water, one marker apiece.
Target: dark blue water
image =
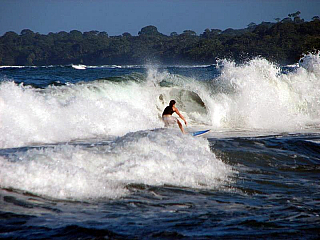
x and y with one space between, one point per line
272 192
41 77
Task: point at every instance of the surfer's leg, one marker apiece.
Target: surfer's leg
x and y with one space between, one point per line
180 126
165 120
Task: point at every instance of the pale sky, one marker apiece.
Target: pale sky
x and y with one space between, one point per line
119 16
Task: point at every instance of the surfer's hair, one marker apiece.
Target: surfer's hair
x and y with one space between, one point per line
172 102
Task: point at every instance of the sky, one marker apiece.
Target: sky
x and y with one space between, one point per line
118 16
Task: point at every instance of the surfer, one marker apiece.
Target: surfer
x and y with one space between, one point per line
169 119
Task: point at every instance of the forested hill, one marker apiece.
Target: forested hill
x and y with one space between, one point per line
283 42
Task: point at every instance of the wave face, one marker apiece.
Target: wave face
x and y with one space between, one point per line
255 95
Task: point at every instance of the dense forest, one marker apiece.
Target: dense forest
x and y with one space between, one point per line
283 41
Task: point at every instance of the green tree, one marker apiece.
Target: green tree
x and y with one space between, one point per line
284 42
149 30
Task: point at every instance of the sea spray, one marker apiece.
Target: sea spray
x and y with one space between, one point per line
74 111
254 95
257 95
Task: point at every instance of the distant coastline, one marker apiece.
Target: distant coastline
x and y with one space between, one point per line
283 42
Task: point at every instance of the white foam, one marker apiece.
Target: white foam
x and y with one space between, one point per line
79 67
257 95
145 157
18 66
118 66
63 113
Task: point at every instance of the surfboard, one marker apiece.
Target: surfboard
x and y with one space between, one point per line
198 133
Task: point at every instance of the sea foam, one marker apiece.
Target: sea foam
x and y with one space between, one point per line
159 157
257 95
56 114
250 96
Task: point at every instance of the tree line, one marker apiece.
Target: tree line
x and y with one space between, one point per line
283 41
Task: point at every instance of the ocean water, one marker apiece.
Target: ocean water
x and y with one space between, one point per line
84 153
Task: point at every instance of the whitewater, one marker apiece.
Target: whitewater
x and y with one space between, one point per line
88 142
256 95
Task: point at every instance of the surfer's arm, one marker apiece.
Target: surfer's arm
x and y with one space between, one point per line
180 115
